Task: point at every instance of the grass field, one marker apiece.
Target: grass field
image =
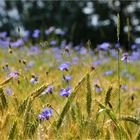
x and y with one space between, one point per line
65 93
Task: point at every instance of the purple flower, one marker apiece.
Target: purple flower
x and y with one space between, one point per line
4 44
34 80
34 50
14 74
98 89
16 44
45 114
8 91
113 53
133 46
3 34
117 45
48 89
107 73
104 46
36 33
83 50
98 62
49 31
65 92
53 42
63 44
64 66
135 56
67 78
75 60
125 57
124 87
29 65
26 33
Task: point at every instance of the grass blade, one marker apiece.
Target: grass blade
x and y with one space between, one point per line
89 96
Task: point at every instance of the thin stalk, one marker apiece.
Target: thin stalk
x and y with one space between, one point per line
118 66
119 98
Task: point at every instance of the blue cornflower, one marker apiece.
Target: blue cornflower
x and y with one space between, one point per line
29 65
3 34
83 50
98 62
8 91
125 57
107 73
64 66
36 33
117 45
75 60
104 46
135 56
48 89
98 89
34 79
14 74
4 44
53 42
65 92
26 33
45 114
113 53
34 50
124 87
133 46
67 77
17 43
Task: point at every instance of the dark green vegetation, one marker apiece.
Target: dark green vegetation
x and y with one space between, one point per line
95 20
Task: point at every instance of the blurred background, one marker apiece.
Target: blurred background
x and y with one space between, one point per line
80 21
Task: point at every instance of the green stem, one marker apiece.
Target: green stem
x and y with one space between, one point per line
119 98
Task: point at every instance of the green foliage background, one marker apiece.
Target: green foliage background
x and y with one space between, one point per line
69 16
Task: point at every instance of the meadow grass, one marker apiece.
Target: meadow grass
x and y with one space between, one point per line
85 113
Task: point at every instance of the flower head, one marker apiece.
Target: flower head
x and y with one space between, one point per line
125 58
124 87
67 78
98 89
107 73
117 45
65 92
53 42
98 62
36 33
104 46
45 114
48 89
3 34
34 79
64 66
14 74
8 91
17 43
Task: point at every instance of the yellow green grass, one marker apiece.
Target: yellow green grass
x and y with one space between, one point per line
84 114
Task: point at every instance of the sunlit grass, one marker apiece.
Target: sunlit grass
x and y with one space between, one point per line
77 123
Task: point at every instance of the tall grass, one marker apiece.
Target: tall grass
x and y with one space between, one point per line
87 112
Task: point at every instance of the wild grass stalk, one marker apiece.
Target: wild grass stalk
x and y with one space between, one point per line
118 65
4 103
69 101
107 97
89 96
130 119
6 81
12 132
